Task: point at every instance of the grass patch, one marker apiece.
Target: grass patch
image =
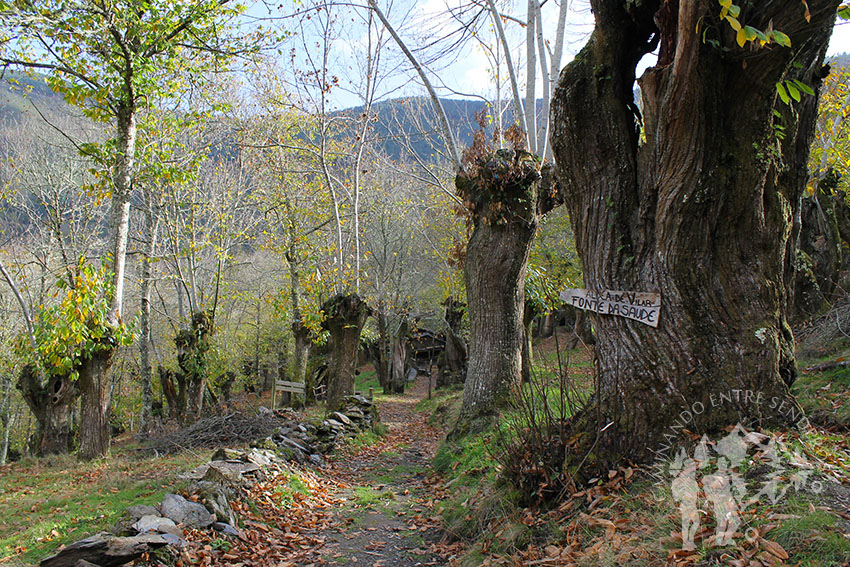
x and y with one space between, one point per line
365 380
48 502
366 496
443 406
825 396
813 537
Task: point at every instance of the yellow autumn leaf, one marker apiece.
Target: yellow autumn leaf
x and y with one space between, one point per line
741 37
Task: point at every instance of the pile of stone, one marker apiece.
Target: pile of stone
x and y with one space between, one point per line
140 530
305 442
144 529
358 414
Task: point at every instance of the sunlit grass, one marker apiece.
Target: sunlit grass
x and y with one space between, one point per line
47 502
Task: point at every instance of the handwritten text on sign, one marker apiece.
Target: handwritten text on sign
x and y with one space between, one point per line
638 305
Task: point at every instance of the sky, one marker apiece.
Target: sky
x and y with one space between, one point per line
458 73
474 69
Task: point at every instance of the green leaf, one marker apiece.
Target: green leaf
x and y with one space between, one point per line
751 33
804 87
781 38
793 91
783 94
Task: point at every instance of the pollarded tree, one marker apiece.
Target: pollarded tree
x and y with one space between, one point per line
345 316
506 191
111 58
700 212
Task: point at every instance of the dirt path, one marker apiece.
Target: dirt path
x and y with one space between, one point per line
370 506
386 516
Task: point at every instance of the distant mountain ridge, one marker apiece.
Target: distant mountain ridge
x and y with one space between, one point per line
402 125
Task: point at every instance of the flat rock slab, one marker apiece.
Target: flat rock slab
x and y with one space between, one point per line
157 524
185 512
106 550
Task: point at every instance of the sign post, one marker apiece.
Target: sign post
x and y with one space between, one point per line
641 306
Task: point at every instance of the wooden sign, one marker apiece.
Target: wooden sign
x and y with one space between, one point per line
294 387
287 386
641 306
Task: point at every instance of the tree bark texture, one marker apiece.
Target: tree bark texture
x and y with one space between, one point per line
174 389
502 194
345 317
95 404
399 364
700 212
51 404
146 367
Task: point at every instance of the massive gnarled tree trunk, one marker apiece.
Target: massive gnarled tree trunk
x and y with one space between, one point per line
399 363
95 404
700 212
345 317
51 404
503 194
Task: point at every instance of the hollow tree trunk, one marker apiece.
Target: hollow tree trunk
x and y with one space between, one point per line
51 405
303 336
346 315
700 212
504 196
268 378
301 353
94 404
174 389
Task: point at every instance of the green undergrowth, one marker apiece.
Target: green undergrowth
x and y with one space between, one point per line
443 406
287 487
483 507
367 438
813 534
633 520
365 496
53 501
825 396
